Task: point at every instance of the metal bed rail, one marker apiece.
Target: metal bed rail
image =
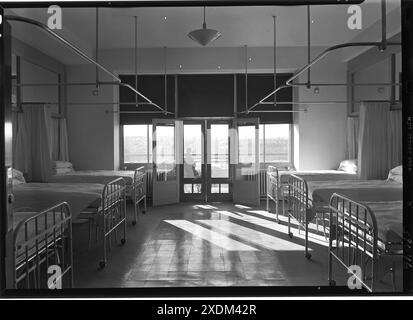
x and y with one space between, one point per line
275 190
43 240
272 188
139 191
112 213
299 207
302 209
108 216
353 240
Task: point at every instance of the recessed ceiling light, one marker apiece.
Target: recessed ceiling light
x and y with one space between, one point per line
164 18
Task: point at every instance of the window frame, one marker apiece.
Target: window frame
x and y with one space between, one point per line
291 146
134 165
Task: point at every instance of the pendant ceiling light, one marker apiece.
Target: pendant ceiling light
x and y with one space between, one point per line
204 36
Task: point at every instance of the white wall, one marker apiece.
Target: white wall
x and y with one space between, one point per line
322 129
376 73
90 127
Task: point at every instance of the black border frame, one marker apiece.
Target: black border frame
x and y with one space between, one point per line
407 96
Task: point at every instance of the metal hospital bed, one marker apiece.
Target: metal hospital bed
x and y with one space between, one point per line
135 182
309 200
42 240
361 234
277 182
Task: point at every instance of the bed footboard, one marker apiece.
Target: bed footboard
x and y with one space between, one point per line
353 240
43 249
113 214
299 207
272 188
139 191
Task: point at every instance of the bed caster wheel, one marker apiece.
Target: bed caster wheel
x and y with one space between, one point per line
122 241
308 256
290 235
102 264
134 223
332 283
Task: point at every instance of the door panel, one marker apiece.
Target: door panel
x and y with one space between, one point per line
165 152
245 160
218 159
193 171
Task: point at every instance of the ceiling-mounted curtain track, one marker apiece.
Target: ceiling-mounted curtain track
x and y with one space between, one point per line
382 45
80 53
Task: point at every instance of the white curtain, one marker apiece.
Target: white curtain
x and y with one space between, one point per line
20 144
395 151
37 118
63 141
352 137
373 160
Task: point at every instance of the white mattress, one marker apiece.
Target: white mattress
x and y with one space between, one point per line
320 192
93 176
37 197
317 175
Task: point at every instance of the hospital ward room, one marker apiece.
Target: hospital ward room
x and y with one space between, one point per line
212 147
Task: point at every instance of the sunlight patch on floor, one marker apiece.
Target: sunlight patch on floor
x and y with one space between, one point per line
317 239
253 236
211 236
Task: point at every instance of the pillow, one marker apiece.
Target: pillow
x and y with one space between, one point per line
348 166
396 174
62 164
18 177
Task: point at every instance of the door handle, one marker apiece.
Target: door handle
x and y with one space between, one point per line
10 198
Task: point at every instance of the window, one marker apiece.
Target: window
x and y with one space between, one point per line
275 143
137 143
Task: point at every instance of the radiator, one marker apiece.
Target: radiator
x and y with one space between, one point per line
263 183
149 183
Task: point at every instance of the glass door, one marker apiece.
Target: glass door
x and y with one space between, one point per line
218 159
165 156
193 171
246 162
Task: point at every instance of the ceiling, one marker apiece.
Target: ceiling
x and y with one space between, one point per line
158 27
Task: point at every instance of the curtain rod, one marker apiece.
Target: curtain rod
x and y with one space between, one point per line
382 45
81 54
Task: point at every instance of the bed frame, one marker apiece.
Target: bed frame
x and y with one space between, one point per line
138 192
275 190
40 241
109 215
354 241
301 208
